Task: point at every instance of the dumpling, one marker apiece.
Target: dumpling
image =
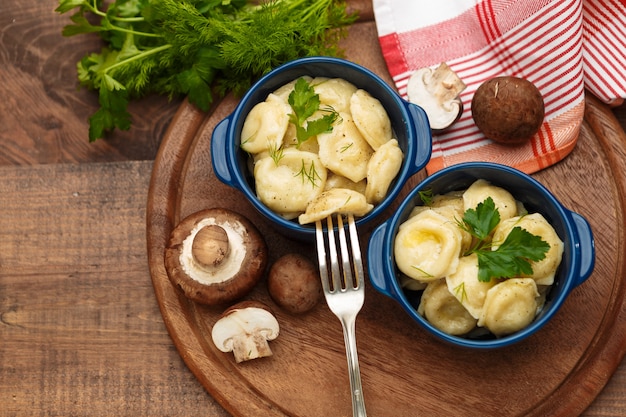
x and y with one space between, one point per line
510 306
371 118
444 311
265 126
382 168
545 269
285 90
427 246
337 181
344 150
334 92
337 200
465 286
481 189
451 213
453 199
288 184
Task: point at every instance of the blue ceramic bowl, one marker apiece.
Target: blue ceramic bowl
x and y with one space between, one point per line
573 229
408 121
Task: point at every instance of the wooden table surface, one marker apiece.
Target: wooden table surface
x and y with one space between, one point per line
80 329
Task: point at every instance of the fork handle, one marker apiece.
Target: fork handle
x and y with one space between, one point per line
349 336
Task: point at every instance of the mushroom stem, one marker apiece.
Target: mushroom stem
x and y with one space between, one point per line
444 84
252 346
210 245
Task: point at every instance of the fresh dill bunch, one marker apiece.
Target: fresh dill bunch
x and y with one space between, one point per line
198 48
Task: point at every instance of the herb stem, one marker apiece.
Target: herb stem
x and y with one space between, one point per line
139 56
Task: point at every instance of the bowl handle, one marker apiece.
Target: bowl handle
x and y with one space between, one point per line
422 131
586 247
375 260
220 154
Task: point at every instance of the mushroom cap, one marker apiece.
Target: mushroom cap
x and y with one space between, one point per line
508 110
233 271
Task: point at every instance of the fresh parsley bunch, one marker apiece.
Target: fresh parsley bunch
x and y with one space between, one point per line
198 48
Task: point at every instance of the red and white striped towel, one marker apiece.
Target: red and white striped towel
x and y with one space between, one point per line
562 46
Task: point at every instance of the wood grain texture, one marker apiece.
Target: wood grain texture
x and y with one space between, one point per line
80 329
81 333
557 372
43 113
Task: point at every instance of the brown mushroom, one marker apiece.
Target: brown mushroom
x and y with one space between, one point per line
245 329
508 110
294 283
437 92
215 256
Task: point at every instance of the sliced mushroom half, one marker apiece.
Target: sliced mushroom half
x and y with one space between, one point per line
437 92
215 256
245 329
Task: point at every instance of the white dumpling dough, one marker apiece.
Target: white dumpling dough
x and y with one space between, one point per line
382 168
503 200
371 118
334 92
465 286
289 186
344 150
451 212
453 200
510 306
427 246
337 200
265 126
338 181
444 311
545 269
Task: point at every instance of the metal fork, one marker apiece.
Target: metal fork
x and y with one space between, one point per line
344 292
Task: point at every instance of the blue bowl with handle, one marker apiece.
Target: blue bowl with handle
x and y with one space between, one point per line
573 229
408 121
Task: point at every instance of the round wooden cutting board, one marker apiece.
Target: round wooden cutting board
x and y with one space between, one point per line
405 372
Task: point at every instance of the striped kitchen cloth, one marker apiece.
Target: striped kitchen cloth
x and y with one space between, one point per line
562 46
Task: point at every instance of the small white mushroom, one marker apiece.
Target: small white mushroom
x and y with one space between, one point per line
245 329
437 92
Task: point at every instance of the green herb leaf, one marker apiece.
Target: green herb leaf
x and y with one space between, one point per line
426 196
305 102
112 113
513 256
481 221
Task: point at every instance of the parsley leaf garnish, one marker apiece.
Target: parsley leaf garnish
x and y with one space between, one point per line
513 256
305 102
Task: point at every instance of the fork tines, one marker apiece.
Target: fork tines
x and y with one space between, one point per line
348 274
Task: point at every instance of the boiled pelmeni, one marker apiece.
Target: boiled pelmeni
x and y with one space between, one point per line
344 150
509 306
371 118
465 286
382 168
337 200
480 190
265 126
444 311
427 246
287 184
334 93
